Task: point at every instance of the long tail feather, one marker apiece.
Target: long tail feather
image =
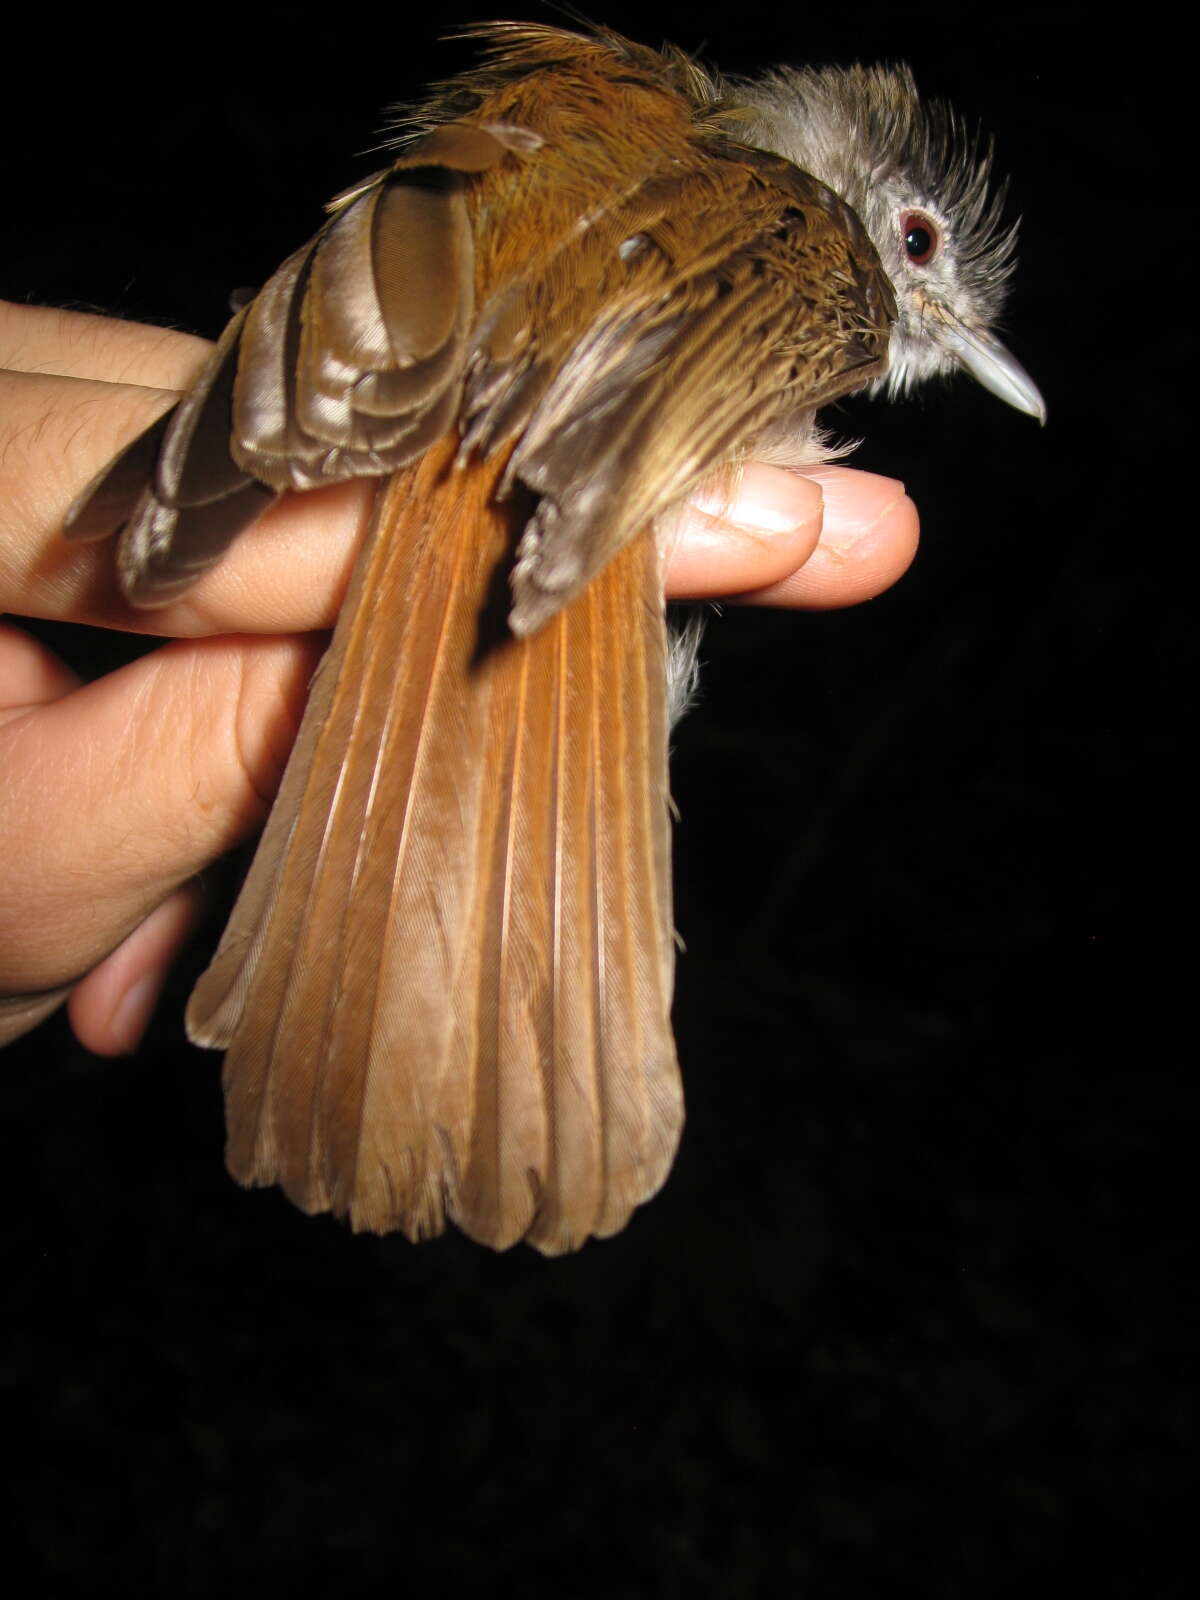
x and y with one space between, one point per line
445 989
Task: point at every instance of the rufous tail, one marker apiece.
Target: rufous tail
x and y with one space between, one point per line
445 988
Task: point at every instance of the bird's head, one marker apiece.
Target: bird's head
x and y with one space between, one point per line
922 188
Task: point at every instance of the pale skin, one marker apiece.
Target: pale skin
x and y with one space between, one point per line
116 794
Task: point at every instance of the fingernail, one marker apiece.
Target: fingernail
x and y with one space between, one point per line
855 507
131 1016
763 500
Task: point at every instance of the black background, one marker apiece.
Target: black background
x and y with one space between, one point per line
909 1317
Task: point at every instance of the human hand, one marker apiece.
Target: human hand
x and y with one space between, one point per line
114 795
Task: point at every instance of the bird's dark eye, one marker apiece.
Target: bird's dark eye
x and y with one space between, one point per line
921 237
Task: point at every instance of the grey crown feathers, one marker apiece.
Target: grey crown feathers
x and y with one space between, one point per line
920 185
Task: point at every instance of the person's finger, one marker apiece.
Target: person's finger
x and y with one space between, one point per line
826 537
749 532
59 427
287 574
56 434
74 390
116 794
111 1007
79 344
30 674
868 542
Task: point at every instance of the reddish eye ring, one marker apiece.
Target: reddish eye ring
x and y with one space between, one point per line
921 236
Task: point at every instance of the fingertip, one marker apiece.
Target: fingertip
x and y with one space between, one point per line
111 1008
869 540
131 1016
287 574
746 531
30 675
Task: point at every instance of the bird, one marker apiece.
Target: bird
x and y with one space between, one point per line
592 276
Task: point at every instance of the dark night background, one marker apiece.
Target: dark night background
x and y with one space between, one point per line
910 1316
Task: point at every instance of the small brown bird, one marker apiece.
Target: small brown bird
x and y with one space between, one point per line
582 286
